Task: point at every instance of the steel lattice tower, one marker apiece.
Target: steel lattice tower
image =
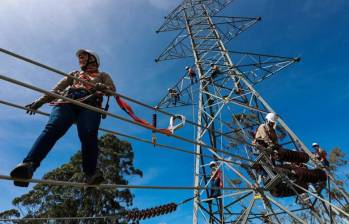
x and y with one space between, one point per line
229 110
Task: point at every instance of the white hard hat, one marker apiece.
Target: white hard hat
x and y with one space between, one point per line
271 117
212 163
314 144
187 67
78 52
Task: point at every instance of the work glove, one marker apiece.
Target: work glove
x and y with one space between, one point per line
33 106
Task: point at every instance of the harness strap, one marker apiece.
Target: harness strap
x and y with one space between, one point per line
106 108
89 98
128 109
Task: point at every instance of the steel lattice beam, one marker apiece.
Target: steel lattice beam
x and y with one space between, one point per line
228 108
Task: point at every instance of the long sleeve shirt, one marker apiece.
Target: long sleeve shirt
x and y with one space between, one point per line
266 134
217 176
191 73
68 82
321 155
215 69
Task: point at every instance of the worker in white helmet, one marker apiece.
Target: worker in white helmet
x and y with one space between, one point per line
216 179
174 95
216 184
64 114
320 154
191 74
266 135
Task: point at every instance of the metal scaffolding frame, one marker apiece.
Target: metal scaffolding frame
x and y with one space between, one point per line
229 110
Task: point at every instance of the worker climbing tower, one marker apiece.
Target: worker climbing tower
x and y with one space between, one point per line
229 110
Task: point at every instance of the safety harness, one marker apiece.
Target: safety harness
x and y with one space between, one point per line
167 131
85 93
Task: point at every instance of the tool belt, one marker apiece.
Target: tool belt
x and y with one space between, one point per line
76 94
91 98
82 95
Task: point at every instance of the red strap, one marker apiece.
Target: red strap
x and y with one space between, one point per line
219 177
128 109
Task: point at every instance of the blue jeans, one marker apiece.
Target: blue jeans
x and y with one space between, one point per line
61 119
215 183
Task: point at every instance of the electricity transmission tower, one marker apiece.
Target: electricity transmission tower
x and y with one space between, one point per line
228 110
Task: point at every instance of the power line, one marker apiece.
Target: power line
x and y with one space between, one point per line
101 111
23 108
116 116
124 135
147 187
83 185
26 59
59 219
126 215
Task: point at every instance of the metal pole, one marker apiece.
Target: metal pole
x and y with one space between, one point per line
198 130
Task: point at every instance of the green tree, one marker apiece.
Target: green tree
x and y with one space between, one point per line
338 163
9 214
337 158
115 161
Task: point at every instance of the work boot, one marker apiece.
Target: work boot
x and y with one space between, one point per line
23 171
95 179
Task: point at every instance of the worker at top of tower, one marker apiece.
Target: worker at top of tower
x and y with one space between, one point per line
266 135
214 70
320 154
192 74
64 114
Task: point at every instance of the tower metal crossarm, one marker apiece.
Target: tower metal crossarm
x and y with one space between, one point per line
226 101
205 26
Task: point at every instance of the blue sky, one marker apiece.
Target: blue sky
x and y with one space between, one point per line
311 96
